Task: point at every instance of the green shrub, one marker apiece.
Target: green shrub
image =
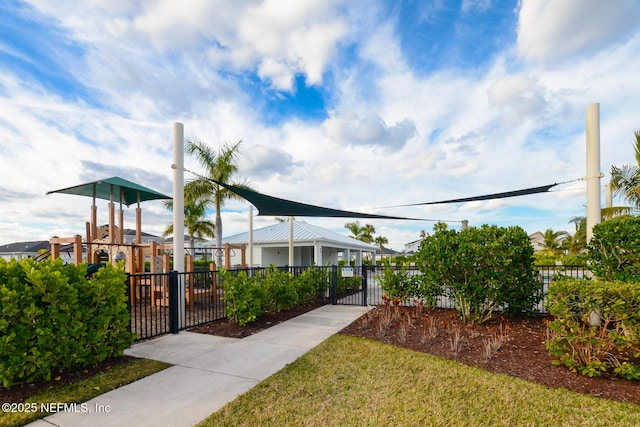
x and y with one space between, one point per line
249 297
53 319
311 283
106 315
396 282
349 285
481 269
542 258
279 290
596 327
244 297
575 260
614 249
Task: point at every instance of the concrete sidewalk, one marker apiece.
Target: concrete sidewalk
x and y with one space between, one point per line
208 372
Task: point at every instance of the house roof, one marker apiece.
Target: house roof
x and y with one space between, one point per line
25 247
302 232
132 232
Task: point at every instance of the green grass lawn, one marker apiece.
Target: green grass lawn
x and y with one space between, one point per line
85 389
348 381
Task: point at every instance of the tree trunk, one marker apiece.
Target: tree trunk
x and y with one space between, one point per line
218 232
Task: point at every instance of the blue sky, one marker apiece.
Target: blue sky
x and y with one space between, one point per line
346 104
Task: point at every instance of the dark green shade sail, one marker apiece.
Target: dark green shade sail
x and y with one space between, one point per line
274 206
116 189
515 193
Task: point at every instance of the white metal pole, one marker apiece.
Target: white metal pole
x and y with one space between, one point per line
290 241
593 168
250 236
178 213
608 198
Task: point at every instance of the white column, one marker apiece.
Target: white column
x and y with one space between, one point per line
250 236
290 241
608 198
178 213
317 254
593 167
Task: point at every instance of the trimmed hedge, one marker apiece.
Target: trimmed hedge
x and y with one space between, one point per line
249 297
53 319
596 326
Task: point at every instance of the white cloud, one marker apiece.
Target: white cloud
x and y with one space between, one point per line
393 136
370 130
260 161
551 30
519 94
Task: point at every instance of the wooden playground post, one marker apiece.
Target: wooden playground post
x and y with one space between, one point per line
227 255
55 243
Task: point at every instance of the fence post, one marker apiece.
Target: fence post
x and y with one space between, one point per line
364 285
173 302
334 285
127 292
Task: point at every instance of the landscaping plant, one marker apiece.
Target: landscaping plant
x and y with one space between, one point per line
249 297
244 297
279 290
311 283
53 319
614 249
398 283
596 326
482 269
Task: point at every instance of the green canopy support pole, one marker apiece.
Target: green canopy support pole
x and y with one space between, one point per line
111 217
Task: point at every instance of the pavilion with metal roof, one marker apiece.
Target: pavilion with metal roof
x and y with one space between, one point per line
312 245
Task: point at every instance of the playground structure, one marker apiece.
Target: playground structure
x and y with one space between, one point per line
107 244
148 284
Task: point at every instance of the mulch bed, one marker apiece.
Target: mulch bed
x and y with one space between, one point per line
19 392
521 354
227 328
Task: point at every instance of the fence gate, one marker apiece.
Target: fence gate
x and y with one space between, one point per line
355 285
153 301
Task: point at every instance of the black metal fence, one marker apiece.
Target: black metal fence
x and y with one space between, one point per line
153 298
153 301
545 274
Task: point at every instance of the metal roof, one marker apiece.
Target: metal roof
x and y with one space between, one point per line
114 188
302 232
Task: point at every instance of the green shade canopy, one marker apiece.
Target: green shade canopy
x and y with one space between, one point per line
504 195
269 205
114 189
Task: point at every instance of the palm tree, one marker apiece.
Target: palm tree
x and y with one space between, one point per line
575 244
286 219
380 241
625 180
194 221
368 232
363 233
440 226
552 241
220 166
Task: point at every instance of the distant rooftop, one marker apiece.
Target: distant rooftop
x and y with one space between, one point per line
302 232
